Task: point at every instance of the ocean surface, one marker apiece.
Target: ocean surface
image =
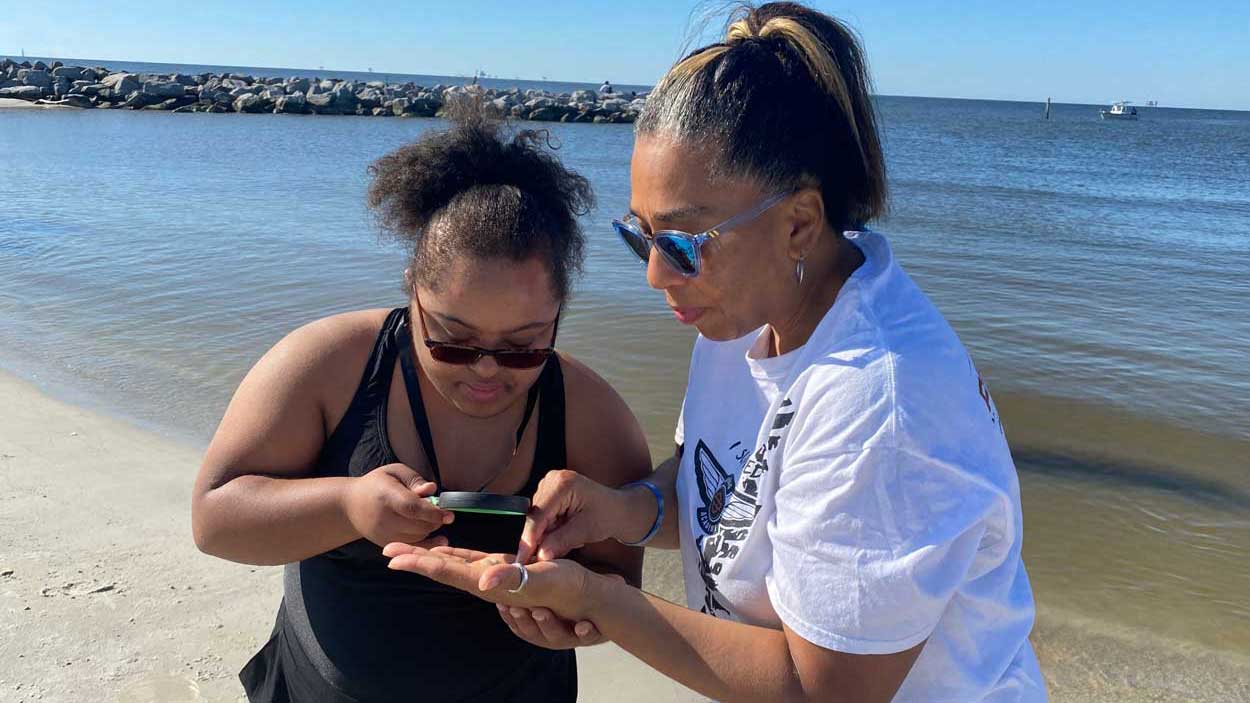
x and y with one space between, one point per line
1098 271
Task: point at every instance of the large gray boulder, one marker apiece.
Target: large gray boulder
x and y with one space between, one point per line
321 103
164 89
217 95
293 104
585 96
167 104
370 98
248 102
551 113
35 77
613 105
427 106
297 85
77 100
539 102
122 84
22 92
73 73
61 86
139 100
345 99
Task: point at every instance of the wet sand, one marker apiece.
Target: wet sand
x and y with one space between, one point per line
103 596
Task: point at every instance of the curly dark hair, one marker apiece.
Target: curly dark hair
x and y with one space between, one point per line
468 191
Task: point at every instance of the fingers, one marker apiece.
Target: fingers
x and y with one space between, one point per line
553 629
505 612
456 574
405 474
552 498
395 549
470 554
531 534
544 628
415 507
499 577
587 633
561 541
524 625
423 488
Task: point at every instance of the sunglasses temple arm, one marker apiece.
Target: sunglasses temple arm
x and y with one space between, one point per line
750 214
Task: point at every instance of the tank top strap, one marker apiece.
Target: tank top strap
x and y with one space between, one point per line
375 383
416 403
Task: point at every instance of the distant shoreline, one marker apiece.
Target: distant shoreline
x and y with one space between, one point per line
543 83
96 87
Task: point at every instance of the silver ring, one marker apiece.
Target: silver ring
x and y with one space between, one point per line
525 577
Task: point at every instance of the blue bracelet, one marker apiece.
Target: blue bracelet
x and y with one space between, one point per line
659 514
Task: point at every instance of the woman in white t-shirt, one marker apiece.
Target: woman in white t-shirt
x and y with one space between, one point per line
842 493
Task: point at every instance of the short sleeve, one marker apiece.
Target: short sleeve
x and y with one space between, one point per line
868 547
679 435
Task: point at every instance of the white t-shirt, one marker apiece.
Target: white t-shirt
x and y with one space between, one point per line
860 490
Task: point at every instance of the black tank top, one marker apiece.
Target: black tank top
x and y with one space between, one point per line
351 630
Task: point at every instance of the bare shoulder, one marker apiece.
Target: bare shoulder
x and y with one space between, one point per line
291 398
330 355
330 342
604 439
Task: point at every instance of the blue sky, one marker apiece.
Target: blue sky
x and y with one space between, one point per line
1182 54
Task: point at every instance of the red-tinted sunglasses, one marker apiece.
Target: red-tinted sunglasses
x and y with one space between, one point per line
466 355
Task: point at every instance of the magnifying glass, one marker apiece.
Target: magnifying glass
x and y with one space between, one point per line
484 503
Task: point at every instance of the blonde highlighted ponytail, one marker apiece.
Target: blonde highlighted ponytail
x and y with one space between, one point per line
818 58
785 99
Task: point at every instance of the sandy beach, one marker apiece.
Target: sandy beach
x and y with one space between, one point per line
103 596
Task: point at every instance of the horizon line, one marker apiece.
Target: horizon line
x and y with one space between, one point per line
102 63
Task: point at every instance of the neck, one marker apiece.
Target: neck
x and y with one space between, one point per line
827 270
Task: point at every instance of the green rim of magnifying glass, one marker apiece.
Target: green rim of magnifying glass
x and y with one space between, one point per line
482 503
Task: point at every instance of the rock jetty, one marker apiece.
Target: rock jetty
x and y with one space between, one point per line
100 88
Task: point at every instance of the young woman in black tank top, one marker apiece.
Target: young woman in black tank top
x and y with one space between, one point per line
336 439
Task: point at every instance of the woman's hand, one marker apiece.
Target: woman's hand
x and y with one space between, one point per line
563 586
390 504
543 628
569 511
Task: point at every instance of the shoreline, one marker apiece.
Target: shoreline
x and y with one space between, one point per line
87 87
103 591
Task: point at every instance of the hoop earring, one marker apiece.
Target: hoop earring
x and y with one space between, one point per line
798 271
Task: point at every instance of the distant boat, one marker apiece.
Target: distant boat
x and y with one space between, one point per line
1119 111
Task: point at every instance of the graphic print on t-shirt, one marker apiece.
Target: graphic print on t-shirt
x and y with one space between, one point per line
728 519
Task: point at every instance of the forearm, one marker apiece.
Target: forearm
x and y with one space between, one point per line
721 659
641 508
262 520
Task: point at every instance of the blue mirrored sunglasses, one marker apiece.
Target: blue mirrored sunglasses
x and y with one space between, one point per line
681 249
